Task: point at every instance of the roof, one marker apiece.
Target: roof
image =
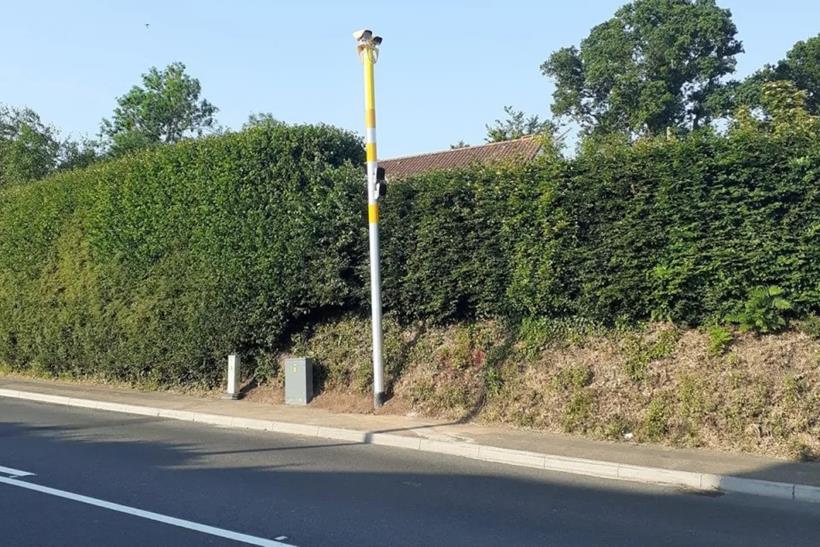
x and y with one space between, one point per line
523 149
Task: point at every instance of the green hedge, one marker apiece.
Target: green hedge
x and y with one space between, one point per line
154 267
680 229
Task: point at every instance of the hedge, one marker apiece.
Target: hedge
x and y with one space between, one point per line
682 230
152 268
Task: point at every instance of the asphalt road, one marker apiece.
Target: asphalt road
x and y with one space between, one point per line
307 492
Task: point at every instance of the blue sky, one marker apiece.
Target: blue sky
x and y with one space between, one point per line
446 68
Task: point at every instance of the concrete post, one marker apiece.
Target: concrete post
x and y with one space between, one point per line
233 378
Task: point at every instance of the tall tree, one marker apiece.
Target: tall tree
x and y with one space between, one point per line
653 66
517 125
801 67
166 109
29 148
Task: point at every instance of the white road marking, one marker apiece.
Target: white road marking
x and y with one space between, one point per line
14 472
173 521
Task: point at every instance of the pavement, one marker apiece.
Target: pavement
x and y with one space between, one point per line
695 469
109 478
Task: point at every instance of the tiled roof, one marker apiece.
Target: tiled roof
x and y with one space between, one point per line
523 149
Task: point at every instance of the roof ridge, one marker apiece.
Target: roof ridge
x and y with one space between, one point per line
447 151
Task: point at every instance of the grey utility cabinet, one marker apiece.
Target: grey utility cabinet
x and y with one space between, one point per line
298 380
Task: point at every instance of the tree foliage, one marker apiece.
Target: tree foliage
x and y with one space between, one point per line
31 149
28 148
656 64
166 109
518 125
801 67
79 154
263 119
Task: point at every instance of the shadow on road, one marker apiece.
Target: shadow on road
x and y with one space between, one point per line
349 494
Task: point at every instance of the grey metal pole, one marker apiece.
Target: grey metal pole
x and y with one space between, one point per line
368 47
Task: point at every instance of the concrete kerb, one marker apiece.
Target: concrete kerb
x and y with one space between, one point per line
807 493
521 458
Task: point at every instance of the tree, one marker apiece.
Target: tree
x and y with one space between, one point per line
78 154
654 65
28 148
166 110
783 111
459 144
517 125
262 119
801 67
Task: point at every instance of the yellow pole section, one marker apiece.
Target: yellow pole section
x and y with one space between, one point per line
369 92
370 133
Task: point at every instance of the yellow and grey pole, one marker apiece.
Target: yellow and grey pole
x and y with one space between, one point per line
368 48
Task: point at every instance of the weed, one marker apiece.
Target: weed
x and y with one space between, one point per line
494 361
456 397
639 353
792 388
459 354
267 369
763 311
695 404
801 452
733 360
719 340
656 419
493 380
578 411
637 360
537 333
636 368
665 345
572 378
616 427
422 392
810 326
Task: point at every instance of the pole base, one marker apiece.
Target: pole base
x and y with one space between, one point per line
231 396
378 400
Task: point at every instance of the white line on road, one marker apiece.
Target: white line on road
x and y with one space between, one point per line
14 472
205 529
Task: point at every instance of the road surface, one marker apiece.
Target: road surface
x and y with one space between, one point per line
103 478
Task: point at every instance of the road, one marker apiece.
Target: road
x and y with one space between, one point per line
300 491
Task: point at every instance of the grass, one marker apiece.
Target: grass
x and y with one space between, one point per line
656 420
658 383
573 378
579 411
639 352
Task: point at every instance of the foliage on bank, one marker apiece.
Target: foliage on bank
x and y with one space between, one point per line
153 267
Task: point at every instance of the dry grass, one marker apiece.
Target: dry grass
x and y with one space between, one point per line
659 384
